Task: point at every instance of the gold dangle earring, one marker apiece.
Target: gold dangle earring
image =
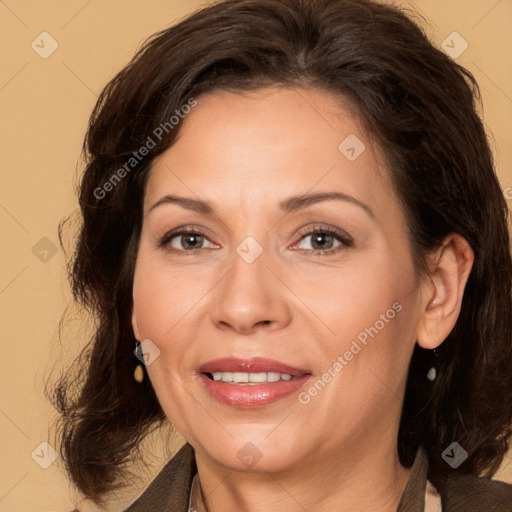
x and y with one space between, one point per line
138 373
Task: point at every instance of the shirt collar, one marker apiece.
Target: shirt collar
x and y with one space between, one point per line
413 497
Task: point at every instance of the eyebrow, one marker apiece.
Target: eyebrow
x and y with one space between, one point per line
298 202
288 205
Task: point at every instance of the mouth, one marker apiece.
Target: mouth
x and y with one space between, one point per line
246 378
250 383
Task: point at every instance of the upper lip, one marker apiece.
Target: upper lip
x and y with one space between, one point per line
252 365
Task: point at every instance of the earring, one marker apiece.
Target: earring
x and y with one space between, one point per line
138 374
432 373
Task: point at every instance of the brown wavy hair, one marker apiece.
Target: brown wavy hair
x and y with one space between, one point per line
417 104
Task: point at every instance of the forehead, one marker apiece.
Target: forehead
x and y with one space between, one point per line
274 139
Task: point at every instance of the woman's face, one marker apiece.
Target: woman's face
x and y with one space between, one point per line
308 300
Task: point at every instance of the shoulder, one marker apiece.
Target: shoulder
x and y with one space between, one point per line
467 493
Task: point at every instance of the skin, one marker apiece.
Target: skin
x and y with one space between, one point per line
244 154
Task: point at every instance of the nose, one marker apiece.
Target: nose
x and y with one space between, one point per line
250 297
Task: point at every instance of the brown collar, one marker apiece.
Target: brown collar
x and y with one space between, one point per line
413 497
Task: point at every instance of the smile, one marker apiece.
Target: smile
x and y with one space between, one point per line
251 383
250 378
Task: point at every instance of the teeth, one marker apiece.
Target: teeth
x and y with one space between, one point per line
240 377
273 377
250 378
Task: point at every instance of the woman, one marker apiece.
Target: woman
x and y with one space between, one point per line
296 248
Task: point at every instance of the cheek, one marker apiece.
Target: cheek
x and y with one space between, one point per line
163 296
353 296
371 316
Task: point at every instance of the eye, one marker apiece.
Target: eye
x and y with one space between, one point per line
186 241
323 240
319 240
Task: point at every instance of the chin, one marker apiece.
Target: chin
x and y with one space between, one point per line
251 453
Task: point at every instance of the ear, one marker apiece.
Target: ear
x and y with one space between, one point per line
442 290
135 326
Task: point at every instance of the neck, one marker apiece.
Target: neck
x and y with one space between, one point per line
365 477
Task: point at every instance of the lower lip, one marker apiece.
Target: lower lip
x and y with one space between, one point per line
251 396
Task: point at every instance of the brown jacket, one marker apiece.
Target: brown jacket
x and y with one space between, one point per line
170 490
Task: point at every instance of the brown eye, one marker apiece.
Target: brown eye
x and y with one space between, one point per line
190 241
324 241
321 241
185 241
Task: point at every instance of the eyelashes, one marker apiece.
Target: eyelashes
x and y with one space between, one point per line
191 234
317 235
194 241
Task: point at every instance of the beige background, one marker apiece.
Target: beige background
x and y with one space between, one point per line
45 105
